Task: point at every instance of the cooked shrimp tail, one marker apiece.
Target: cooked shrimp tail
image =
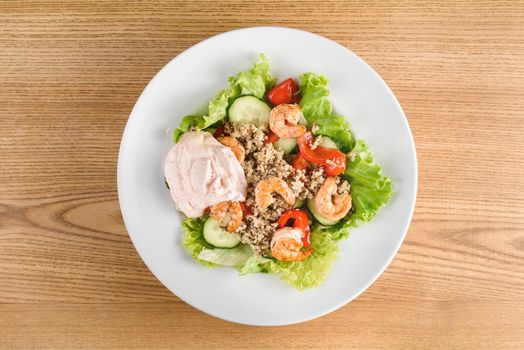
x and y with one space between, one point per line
229 213
265 189
330 204
283 121
235 145
286 245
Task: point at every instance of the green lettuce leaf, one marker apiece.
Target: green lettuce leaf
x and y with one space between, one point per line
217 110
188 122
194 239
254 264
254 81
313 271
318 110
218 106
338 231
314 102
370 190
227 257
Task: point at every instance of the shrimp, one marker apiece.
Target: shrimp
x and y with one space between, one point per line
330 204
265 188
238 150
283 121
229 210
286 244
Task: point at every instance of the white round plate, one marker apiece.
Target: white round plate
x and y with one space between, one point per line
184 86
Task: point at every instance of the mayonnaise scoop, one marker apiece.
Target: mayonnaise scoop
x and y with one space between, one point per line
202 172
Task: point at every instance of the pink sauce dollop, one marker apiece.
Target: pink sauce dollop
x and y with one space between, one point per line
202 172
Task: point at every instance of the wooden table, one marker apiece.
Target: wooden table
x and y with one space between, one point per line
70 73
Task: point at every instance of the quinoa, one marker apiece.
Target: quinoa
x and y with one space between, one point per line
343 187
316 179
262 161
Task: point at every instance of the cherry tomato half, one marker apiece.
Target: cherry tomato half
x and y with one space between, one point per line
285 92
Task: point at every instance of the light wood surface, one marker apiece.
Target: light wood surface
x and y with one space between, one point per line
70 73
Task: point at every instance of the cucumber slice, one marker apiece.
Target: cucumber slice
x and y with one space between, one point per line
326 142
299 203
217 236
302 120
287 145
323 220
249 109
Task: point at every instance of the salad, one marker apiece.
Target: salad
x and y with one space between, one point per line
271 178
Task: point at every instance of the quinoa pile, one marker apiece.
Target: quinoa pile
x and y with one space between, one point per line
262 160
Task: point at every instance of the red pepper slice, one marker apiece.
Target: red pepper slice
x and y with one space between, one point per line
271 137
285 92
300 221
333 160
245 209
300 163
220 131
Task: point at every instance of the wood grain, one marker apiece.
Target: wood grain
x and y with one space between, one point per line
70 72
